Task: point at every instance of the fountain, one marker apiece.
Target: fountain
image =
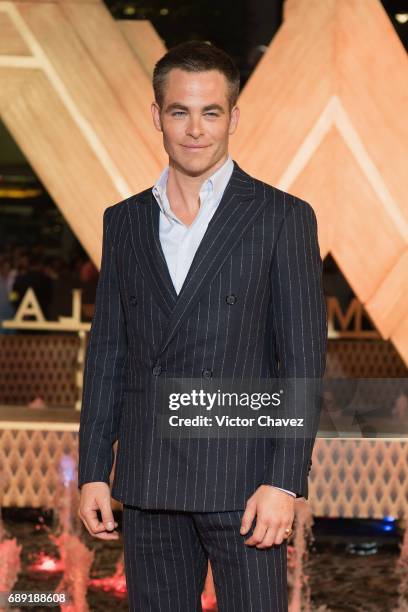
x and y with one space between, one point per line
10 555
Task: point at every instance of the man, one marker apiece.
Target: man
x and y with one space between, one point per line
210 274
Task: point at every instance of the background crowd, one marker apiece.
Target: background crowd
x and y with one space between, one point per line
51 278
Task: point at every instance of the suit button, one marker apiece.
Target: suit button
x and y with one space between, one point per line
157 370
207 373
133 300
231 299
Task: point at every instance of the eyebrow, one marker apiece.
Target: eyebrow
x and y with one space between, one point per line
179 106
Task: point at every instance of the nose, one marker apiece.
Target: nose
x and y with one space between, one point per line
194 128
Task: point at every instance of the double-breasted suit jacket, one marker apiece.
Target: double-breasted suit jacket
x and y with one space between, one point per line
252 305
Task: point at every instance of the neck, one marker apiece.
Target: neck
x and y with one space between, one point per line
183 189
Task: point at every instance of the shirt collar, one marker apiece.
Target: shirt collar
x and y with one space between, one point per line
214 185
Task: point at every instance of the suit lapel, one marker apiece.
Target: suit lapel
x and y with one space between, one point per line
144 227
236 212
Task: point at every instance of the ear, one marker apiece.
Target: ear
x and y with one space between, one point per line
234 118
155 108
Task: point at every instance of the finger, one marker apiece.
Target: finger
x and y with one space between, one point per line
91 518
247 518
267 541
107 535
103 535
107 515
258 533
281 535
272 526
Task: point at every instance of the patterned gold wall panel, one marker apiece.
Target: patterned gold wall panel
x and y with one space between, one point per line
30 465
349 478
322 116
43 365
34 365
363 359
359 478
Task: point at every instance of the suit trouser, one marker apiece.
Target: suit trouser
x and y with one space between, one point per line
166 555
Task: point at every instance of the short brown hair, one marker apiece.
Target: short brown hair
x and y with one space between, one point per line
196 56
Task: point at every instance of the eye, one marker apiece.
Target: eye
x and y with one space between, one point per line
177 113
212 114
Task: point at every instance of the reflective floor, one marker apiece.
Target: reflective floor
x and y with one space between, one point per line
351 567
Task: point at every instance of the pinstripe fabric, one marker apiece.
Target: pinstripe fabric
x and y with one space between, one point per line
166 555
178 241
261 246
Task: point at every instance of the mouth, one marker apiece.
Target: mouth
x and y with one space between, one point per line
193 147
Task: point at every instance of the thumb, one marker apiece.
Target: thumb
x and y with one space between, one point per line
107 515
247 519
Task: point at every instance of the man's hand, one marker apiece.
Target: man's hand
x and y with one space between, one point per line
274 510
94 496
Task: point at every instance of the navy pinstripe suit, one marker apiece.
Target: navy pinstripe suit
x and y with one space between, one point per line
261 247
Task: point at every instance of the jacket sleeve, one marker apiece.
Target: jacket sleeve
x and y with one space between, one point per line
299 322
103 371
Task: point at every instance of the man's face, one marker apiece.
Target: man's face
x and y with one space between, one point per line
195 119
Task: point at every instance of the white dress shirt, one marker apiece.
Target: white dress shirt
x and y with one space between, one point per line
179 241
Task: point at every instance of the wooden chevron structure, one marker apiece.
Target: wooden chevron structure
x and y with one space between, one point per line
323 116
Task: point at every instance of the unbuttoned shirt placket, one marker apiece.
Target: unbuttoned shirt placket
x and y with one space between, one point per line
185 239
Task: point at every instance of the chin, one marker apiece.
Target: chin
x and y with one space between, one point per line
193 163
196 166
